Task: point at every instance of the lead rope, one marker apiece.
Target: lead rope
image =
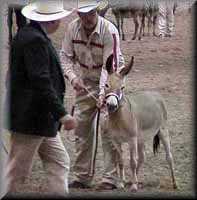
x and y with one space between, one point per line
4 147
96 132
95 142
89 92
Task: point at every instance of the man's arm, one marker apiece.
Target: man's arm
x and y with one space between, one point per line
67 55
37 62
36 57
111 46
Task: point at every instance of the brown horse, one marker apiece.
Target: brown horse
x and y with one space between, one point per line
133 119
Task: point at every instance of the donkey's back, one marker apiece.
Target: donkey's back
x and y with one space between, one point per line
149 109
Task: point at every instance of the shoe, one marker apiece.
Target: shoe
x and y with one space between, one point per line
169 35
106 186
140 184
161 35
79 185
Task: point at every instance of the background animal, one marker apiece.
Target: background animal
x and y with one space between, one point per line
151 13
138 10
133 120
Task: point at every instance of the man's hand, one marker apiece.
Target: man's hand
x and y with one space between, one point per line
101 101
77 84
69 122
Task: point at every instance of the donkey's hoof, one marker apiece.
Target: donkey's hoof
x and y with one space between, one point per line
121 185
175 187
134 187
140 185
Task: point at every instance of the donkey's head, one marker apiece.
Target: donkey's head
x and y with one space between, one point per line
115 83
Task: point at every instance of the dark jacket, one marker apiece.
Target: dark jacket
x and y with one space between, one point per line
36 84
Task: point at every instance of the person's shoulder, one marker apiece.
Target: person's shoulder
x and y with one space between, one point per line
30 35
110 26
74 24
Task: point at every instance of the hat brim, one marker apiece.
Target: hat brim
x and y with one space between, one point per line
29 12
87 9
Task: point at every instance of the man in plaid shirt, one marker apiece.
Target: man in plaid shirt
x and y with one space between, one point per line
89 41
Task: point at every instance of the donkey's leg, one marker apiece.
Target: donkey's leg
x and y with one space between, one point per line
136 23
120 167
149 24
141 158
141 155
120 179
134 162
165 139
142 26
154 24
122 172
121 27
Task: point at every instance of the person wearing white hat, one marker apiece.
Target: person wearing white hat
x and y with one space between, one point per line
89 41
35 91
166 18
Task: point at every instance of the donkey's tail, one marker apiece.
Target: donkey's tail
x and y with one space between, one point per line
156 143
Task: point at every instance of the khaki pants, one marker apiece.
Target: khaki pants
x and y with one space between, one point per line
54 157
166 18
85 109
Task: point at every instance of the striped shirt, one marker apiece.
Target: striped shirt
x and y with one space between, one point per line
90 53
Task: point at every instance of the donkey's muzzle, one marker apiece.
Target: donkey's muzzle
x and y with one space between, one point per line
111 107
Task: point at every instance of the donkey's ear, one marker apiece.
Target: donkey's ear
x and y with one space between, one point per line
109 64
127 68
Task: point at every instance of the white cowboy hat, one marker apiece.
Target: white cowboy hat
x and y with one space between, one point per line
45 10
85 6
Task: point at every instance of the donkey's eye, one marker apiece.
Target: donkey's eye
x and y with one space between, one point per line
106 85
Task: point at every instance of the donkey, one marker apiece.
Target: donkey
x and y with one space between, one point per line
121 11
152 13
138 19
133 118
137 10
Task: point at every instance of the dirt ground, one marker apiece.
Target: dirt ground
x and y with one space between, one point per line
164 65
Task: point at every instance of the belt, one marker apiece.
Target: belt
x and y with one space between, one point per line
94 66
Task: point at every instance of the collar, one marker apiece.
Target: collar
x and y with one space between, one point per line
97 29
43 28
98 26
39 27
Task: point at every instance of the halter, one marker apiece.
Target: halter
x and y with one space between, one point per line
118 94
